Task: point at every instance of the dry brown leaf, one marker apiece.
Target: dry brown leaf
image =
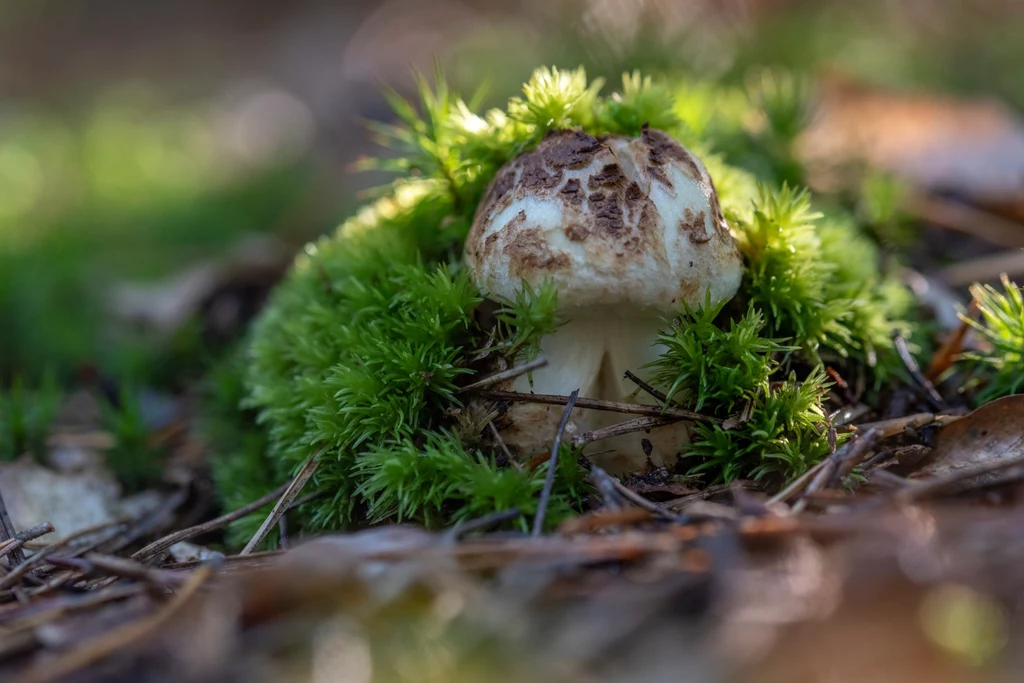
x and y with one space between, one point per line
971 147
993 432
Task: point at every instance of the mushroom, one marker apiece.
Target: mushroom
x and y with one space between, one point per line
628 230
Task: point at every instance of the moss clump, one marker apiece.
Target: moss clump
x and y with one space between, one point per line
26 414
360 352
998 365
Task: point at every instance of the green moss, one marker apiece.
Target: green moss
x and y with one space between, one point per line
240 465
26 415
709 366
786 433
998 365
133 459
359 353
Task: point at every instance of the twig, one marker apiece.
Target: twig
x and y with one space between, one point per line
984 268
485 522
167 541
849 455
797 484
951 347
859 451
282 531
644 504
597 404
25 567
95 564
628 427
146 525
119 638
32 533
291 491
844 416
683 501
503 446
939 484
602 519
962 218
914 369
511 373
647 387
605 485
305 499
899 425
883 477
549 477
22 537
7 533
36 614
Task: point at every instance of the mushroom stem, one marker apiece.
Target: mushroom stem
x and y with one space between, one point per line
592 354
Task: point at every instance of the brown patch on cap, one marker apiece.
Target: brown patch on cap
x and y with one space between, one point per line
693 225
535 177
503 182
576 232
499 188
572 191
636 202
568 148
505 234
647 223
609 176
664 148
488 244
658 173
607 212
529 252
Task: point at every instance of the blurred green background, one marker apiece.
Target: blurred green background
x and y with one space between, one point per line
140 139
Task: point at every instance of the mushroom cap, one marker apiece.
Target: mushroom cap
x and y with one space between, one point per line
629 223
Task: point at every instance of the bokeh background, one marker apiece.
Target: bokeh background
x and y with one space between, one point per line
147 147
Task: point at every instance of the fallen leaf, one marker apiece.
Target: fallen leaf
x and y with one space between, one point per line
938 144
70 501
995 431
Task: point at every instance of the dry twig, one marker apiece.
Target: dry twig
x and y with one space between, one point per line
931 487
112 529
496 435
952 346
647 387
485 522
914 369
291 491
898 425
966 219
511 373
167 541
7 533
839 464
640 424
94 650
597 404
22 537
549 477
